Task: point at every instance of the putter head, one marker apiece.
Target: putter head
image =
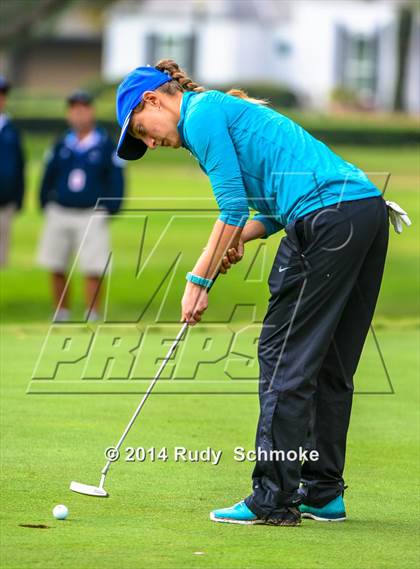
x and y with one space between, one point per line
88 490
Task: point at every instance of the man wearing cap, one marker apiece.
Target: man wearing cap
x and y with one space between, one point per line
11 173
82 185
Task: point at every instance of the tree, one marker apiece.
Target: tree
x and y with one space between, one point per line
20 18
405 25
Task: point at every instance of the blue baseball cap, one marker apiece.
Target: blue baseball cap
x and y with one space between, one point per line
129 94
80 96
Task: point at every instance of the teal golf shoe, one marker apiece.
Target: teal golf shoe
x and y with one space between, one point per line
334 511
241 514
237 514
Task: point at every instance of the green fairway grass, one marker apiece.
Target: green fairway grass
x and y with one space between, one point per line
56 430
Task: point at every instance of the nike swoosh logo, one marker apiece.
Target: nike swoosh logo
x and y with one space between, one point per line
281 269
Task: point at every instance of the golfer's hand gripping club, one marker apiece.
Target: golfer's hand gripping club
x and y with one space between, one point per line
195 302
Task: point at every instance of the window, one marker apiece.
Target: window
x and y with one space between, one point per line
283 48
356 62
171 46
361 65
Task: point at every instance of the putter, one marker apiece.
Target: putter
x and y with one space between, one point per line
99 491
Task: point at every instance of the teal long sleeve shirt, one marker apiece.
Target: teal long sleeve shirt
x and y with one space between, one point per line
257 158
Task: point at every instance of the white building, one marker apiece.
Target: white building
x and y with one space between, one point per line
311 46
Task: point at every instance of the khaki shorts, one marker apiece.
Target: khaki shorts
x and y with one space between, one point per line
6 216
80 232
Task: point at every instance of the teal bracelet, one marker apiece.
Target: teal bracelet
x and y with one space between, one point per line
201 281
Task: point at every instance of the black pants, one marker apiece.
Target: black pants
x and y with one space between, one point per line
324 285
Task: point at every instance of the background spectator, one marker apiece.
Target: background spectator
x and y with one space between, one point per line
11 173
82 183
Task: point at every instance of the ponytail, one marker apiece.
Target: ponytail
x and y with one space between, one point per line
244 95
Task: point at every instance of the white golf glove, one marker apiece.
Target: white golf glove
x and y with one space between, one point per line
397 216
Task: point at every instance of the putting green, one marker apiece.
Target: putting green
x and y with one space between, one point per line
157 512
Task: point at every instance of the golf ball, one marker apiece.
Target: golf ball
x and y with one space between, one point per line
60 512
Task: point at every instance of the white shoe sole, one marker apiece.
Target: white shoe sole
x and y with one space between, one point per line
231 521
309 516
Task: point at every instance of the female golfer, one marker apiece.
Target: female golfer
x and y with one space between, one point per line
324 282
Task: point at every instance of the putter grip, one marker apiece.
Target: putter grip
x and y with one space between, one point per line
214 280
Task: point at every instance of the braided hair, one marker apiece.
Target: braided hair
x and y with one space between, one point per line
179 76
181 82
